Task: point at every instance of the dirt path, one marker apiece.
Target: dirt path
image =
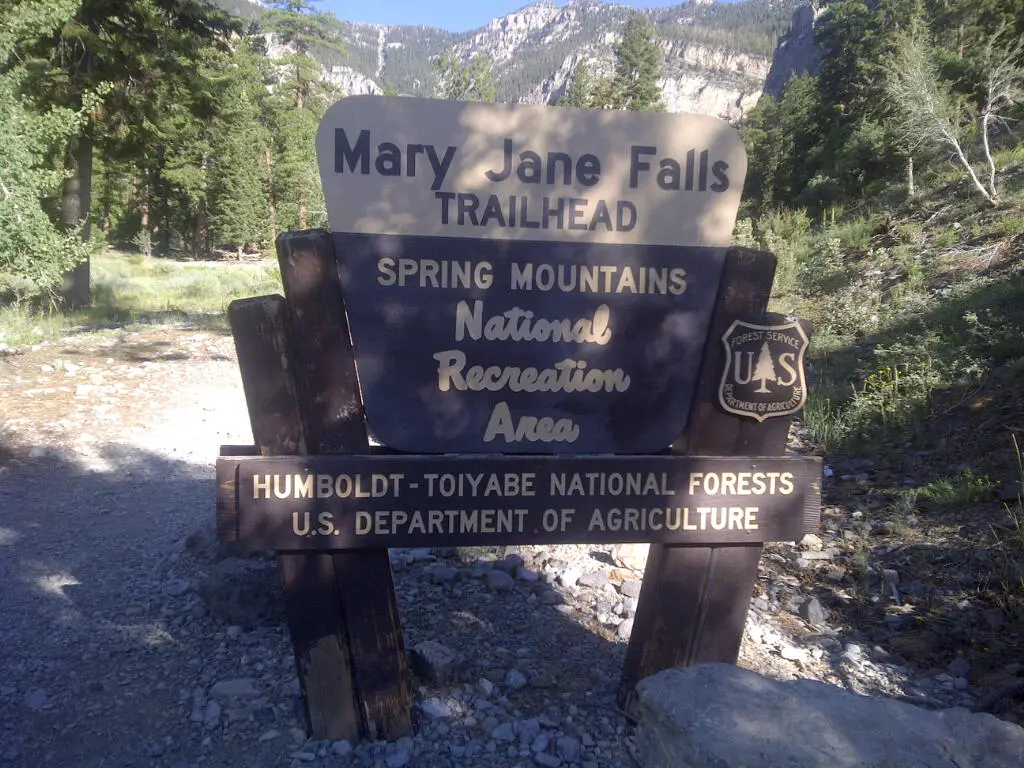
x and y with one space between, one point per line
109 656
110 441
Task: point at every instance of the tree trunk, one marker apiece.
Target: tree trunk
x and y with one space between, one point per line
142 199
911 191
201 248
202 245
270 195
985 122
76 198
970 170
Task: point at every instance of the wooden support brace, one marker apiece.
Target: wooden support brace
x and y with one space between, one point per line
263 340
334 423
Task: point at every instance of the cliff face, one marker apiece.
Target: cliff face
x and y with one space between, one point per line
797 52
535 49
697 78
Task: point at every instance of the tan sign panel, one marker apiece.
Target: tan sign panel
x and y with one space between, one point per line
401 166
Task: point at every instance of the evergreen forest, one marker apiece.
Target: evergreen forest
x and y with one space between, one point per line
164 126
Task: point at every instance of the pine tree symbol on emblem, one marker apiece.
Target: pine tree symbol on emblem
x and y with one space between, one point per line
764 371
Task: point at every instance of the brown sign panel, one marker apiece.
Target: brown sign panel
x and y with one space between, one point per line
350 502
763 376
525 279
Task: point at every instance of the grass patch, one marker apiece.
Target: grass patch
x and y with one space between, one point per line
130 288
962 489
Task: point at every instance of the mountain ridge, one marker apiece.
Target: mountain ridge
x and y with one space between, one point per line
715 56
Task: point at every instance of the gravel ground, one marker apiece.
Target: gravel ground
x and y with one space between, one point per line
111 657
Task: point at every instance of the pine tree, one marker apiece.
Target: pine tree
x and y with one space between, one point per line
764 370
460 80
302 97
120 49
579 93
637 68
239 183
34 254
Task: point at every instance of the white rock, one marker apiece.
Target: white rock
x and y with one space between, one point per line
792 653
624 630
435 708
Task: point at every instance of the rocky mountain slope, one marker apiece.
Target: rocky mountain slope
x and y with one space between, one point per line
716 56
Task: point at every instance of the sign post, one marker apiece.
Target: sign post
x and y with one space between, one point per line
532 305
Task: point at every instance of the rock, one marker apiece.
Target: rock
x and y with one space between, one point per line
792 653
593 579
212 717
632 556
515 679
624 630
836 575
234 689
528 731
433 661
812 542
813 557
270 735
37 452
540 743
894 621
568 748
510 564
341 748
630 588
570 577
443 574
525 574
504 732
498 581
959 667
550 597
812 611
485 686
243 592
399 753
755 633
715 715
435 708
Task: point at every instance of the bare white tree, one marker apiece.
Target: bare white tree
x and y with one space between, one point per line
929 113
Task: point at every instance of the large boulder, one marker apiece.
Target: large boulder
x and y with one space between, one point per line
721 716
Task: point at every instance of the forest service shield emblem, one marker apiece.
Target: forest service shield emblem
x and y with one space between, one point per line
764 370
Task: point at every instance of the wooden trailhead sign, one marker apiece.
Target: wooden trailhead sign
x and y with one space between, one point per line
536 313
528 280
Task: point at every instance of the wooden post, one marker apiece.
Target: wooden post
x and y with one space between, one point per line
263 343
298 374
333 422
694 599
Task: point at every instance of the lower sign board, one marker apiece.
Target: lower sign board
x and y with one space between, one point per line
350 502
